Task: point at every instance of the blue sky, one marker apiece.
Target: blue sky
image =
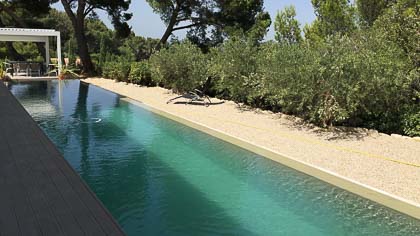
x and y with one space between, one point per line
148 24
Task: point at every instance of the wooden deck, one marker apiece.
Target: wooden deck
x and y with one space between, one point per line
40 193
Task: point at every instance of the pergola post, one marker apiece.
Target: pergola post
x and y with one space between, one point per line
47 52
60 64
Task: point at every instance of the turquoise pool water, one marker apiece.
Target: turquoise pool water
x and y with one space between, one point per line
158 177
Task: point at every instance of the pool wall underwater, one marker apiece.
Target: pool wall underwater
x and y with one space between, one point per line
389 200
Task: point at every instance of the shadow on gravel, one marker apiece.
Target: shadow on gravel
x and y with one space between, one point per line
199 103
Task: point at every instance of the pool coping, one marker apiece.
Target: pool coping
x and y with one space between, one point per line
384 198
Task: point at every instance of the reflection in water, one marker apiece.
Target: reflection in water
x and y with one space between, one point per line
60 95
158 177
81 113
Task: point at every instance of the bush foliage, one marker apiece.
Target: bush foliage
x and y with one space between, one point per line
116 68
181 67
361 80
140 74
367 78
233 65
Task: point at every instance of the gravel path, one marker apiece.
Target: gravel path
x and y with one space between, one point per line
388 163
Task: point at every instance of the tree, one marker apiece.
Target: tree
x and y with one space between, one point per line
137 48
334 16
97 30
370 10
102 52
11 51
78 10
287 27
239 15
59 21
401 24
203 16
260 27
23 14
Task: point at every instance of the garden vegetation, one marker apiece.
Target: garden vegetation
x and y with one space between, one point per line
366 76
355 65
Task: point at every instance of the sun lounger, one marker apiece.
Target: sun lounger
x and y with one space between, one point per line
193 96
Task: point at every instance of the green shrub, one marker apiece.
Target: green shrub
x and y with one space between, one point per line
117 69
411 123
288 77
400 22
362 81
181 67
2 69
234 66
140 73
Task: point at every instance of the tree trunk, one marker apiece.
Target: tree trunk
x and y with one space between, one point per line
83 50
169 29
78 22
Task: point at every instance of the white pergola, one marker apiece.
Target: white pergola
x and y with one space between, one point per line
34 35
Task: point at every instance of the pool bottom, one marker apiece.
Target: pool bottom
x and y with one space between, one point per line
386 199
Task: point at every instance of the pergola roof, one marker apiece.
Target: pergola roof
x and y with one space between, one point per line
34 32
33 35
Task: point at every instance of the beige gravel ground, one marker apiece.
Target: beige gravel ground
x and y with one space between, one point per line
388 163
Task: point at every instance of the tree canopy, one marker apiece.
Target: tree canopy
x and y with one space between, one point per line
287 27
401 23
22 11
78 10
23 14
334 16
370 10
211 20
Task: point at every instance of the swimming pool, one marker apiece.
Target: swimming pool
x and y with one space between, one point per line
159 177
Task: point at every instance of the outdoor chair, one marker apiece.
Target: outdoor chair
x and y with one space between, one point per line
22 68
193 96
35 68
52 68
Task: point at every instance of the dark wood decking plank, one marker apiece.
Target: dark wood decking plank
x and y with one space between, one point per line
8 220
28 140
34 183
18 193
81 213
43 194
28 170
62 209
48 192
97 210
67 212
